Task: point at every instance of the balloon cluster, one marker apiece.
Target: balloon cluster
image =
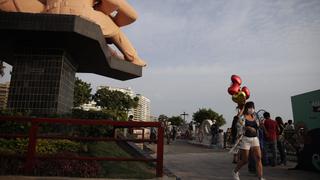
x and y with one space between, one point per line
239 95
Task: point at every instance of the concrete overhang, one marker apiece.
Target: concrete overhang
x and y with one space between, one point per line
81 39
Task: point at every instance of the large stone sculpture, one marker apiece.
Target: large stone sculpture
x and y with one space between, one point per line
110 15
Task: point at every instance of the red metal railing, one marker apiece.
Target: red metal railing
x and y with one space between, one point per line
33 136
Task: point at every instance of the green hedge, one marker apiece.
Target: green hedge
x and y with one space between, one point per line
44 146
62 129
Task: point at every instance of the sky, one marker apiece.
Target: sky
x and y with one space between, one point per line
193 47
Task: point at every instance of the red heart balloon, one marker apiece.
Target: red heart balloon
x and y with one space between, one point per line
236 79
233 89
246 91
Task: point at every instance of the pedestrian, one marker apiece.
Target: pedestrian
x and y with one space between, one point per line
280 141
262 140
271 129
235 149
234 136
168 131
130 119
234 129
220 138
214 132
290 126
153 134
191 131
249 140
252 161
174 133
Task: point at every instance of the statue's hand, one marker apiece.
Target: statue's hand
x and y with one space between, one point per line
126 14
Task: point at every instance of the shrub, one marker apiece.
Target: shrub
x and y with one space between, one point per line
9 165
75 168
52 167
67 146
7 112
44 146
81 130
81 114
13 146
14 127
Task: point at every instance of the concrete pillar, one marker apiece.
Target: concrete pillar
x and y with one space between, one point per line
42 81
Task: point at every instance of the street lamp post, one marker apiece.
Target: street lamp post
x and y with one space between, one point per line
184 114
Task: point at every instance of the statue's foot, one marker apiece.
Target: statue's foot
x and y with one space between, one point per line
136 61
139 62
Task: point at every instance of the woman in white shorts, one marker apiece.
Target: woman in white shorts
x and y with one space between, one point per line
249 140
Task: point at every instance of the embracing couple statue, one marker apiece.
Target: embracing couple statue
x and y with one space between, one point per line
110 15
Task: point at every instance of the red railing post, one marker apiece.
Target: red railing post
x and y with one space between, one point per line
30 162
159 171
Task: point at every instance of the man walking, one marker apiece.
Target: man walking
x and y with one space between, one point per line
214 132
271 129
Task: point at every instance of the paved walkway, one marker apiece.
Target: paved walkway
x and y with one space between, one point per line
199 163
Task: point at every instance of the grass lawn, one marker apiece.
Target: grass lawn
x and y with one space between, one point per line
118 169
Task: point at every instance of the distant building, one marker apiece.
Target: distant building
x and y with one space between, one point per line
140 113
153 118
91 106
4 91
127 90
306 109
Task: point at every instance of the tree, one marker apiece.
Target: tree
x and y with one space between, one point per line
162 118
176 120
82 93
203 114
114 100
135 102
